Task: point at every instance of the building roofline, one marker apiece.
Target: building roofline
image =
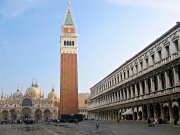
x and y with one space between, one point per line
149 46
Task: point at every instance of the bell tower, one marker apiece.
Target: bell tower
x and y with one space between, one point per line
68 66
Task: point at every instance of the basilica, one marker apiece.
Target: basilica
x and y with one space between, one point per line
32 105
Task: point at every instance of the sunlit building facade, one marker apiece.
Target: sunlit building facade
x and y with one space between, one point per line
147 85
82 104
32 105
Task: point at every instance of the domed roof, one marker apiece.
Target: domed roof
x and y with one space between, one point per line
36 85
34 91
53 94
17 94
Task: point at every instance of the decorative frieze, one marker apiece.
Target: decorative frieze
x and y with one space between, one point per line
158 48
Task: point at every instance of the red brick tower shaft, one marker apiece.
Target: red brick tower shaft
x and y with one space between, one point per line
68 71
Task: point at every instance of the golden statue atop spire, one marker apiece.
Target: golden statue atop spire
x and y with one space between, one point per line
69 3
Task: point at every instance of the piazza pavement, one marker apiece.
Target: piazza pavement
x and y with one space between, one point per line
89 128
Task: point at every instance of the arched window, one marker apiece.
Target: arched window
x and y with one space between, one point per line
64 43
27 102
72 43
67 43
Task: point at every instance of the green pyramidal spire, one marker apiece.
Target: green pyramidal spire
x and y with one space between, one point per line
68 19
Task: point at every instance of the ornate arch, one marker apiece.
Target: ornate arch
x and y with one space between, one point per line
175 104
26 112
165 104
47 114
38 114
27 102
5 114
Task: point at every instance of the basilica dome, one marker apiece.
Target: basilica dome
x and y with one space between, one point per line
17 94
34 91
53 95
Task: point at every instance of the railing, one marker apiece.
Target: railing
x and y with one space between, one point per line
140 73
140 97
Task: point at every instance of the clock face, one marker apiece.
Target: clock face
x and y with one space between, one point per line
69 31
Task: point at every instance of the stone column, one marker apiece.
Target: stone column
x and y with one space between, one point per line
176 77
162 111
121 94
131 88
140 88
117 96
159 82
124 95
155 111
112 98
136 92
133 113
137 113
152 84
148 110
146 86
102 100
167 79
106 102
109 99
170 111
110 115
43 116
118 114
143 113
127 89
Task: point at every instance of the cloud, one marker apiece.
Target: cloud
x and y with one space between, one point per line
173 5
13 8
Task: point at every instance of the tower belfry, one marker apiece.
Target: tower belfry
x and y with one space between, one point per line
68 64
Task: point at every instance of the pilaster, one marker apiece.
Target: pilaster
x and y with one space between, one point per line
146 86
170 111
127 89
176 77
141 89
167 79
159 79
152 84
136 92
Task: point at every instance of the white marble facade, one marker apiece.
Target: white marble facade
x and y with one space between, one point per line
31 105
147 85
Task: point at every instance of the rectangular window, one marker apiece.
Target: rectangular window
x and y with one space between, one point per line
141 63
147 63
121 77
176 45
127 73
160 55
153 61
132 71
167 50
124 75
136 68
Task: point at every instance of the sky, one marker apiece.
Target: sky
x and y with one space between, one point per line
109 33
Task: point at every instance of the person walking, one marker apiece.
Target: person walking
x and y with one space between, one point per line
118 121
97 125
149 122
175 120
